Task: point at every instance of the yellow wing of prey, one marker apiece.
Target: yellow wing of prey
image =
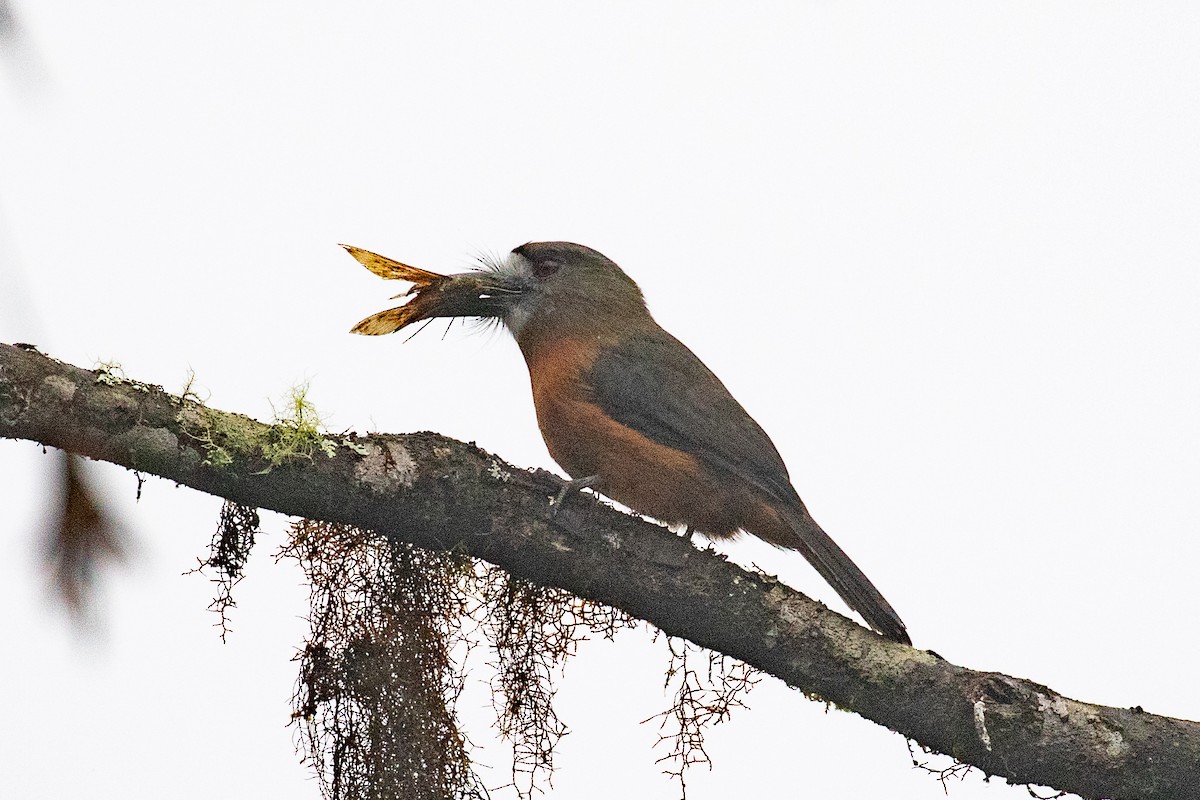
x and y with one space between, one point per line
467 294
393 319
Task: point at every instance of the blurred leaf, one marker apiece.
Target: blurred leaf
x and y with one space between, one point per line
82 540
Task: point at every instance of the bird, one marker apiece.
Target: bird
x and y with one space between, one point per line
627 409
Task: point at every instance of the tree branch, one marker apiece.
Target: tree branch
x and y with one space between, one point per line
443 494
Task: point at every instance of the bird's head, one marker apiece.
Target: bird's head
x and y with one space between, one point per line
556 287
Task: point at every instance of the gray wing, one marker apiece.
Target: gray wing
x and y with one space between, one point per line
655 385
652 383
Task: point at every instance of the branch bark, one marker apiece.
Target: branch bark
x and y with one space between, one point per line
444 494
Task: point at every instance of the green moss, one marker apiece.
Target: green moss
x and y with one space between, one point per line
350 444
188 395
296 433
110 373
222 436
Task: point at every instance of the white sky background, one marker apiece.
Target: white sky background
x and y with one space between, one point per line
948 254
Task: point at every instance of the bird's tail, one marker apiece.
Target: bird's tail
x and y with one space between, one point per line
843 574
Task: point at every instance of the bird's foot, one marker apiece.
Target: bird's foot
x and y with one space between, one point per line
570 487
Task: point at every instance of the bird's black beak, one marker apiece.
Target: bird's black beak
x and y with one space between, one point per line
466 294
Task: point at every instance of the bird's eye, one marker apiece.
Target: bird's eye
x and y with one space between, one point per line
544 269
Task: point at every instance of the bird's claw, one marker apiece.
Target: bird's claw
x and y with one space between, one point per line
568 488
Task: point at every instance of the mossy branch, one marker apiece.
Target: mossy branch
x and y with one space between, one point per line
442 494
